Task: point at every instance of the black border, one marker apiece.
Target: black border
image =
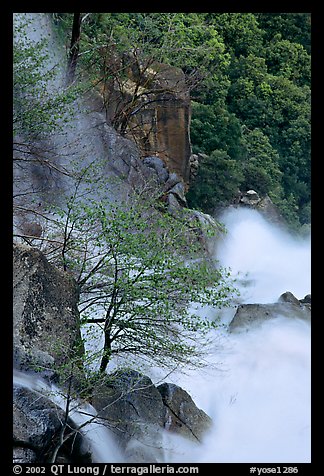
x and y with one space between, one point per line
6 201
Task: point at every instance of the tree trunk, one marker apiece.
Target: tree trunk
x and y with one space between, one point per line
74 48
106 352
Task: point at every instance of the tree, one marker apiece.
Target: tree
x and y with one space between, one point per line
261 164
126 50
138 277
218 181
41 106
37 104
295 27
289 60
74 47
241 32
141 274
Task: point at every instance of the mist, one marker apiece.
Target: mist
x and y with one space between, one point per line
97 439
257 388
265 257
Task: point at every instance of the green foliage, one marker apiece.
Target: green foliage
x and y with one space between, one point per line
212 128
141 279
240 32
267 94
289 60
243 70
218 181
176 38
261 164
40 104
295 27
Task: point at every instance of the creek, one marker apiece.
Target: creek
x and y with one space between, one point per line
258 386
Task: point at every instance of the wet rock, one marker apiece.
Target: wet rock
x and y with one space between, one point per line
132 408
37 422
182 416
306 299
289 297
248 315
250 198
159 167
46 327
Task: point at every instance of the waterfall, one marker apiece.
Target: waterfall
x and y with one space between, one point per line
257 389
266 259
98 440
80 137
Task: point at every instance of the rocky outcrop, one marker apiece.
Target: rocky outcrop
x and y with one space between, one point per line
264 204
248 315
159 119
194 162
46 333
207 229
132 408
306 300
181 414
136 411
169 185
37 423
289 297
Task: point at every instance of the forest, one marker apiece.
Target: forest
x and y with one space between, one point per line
249 79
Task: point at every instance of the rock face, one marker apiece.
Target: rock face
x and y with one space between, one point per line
137 411
288 305
160 122
37 423
181 414
169 184
208 229
46 330
264 204
133 409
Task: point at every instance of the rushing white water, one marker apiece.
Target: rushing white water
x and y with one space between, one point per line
269 259
259 395
257 387
97 438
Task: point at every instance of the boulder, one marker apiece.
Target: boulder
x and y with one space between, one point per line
159 168
248 315
182 416
263 204
173 203
170 185
250 198
178 191
132 408
306 299
288 297
37 423
136 411
194 166
208 230
46 327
